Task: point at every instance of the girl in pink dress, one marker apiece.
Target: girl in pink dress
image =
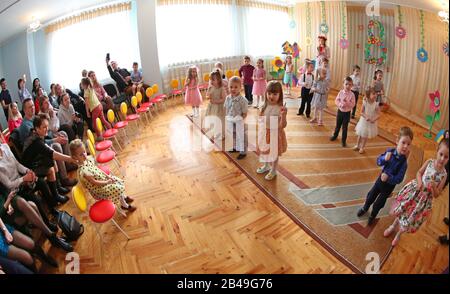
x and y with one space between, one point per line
193 96
260 84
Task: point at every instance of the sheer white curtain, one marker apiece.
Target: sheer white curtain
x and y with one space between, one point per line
84 46
194 32
263 31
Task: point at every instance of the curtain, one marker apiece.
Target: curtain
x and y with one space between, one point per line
84 45
358 22
413 79
339 63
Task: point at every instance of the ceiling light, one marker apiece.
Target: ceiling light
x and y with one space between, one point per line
34 26
443 15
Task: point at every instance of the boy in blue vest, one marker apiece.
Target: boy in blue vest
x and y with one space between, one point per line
394 163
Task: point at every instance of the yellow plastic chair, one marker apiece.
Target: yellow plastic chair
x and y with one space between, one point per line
108 134
229 74
236 73
118 125
158 98
100 212
175 85
100 146
131 117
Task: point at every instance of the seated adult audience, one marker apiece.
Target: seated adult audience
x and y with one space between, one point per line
40 158
53 97
35 90
102 96
11 267
68 116
138 80
77 102
58 143
55 127
23 91
5 97
39 98
14 117
121 76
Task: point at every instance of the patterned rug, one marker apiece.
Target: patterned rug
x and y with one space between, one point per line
321 185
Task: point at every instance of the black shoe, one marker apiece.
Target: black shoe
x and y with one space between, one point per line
52 226
371 220
45 257
69 182
54 212
298 113
443 240
241 156
63 190
62 199
344 144
308 116
446 220
58 242
333 138
353 117
361 212
233 151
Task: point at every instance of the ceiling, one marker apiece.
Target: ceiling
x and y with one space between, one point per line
16 15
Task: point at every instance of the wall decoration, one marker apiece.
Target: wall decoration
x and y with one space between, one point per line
400 31
445 45
435 105
343 43
439 136
292 23
373 41
308 40
422 54
277 68
323 28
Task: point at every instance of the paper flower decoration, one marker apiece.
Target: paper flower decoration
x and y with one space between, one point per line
277 63
292 24
323 28
296 50
439 136
308 41
361 27
445 48
343 43
400 32
435 102
422 55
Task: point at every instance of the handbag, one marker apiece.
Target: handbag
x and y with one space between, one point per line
70 226
119 99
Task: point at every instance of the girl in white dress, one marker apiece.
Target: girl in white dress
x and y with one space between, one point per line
367 126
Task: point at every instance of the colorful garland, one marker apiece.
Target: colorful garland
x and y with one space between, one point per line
375 41
400 31
323 28
445 45
343 43
422 54
308 25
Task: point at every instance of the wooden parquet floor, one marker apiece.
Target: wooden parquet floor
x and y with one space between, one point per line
197 213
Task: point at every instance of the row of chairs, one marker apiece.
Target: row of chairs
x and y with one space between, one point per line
103 152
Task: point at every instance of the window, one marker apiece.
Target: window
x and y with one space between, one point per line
194 32
84 45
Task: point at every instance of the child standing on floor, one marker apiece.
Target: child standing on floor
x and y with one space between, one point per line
260 84
306 82
378 85
367 126
273 107
394 163
319 101
99 184
236 108
94 108
288 72
345 101
215 111
193 96
414 201
246 74
356 86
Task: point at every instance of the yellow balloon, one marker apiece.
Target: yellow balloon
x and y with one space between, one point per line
206 78
149 92
110 115
155 88
124 108
236 73
229 74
